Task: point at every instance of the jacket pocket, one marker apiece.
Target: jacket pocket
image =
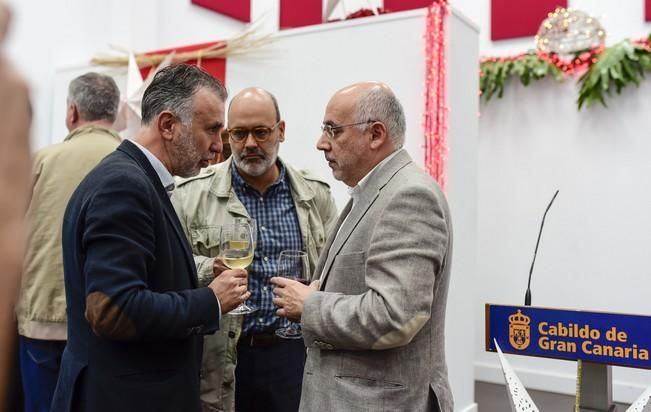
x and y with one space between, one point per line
370 383
350 269
350 260
205 240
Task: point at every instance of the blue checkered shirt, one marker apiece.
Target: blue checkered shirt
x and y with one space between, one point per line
278 230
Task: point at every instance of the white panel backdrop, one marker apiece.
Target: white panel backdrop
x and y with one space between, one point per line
594 251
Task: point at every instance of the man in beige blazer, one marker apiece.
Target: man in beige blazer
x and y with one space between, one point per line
374 321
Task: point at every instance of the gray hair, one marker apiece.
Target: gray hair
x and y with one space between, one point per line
95 95
173 89
275 102
381 105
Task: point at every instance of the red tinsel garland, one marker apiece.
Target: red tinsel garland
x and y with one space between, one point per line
435 119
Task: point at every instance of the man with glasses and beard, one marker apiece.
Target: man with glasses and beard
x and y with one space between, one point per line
136 316
374 323
293 210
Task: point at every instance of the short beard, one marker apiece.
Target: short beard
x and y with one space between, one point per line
185 155
257 168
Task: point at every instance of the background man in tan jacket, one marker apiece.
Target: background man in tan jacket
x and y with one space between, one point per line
293 210
57 170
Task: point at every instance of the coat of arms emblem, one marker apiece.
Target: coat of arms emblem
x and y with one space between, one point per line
519 332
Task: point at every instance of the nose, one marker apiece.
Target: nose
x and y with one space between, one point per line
323 143
217 145
250 140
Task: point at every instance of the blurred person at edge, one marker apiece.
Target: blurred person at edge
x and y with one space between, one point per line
15 118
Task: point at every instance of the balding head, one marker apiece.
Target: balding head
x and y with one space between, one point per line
258 96
375 101
362 125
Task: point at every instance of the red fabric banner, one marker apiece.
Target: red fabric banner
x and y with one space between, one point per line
520 18
216 67
647 10
399 5
299 13
237 9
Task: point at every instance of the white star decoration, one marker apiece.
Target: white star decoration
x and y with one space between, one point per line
129 113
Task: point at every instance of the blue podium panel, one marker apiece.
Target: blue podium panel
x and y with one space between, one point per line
610 338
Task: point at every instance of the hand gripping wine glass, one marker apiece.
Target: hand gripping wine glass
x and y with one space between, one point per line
293 264
236 250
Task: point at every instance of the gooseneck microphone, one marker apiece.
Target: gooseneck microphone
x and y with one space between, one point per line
527 296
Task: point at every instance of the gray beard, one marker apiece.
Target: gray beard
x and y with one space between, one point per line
254 169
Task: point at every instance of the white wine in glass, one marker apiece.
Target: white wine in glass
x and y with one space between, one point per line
237 255
236 250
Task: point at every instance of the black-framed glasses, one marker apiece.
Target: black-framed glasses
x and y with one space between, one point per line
259 133
331 129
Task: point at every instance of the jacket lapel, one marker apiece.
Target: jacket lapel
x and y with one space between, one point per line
325 259
168 210
369 193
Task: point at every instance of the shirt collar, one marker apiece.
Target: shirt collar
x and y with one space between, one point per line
89 129
164 175
239 181
353 191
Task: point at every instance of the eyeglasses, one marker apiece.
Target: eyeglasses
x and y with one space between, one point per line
331 129
259 133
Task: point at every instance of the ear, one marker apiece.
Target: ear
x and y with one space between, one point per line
379 135
167 124
72 115
281 127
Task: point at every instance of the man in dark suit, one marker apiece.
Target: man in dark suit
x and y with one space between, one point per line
136 317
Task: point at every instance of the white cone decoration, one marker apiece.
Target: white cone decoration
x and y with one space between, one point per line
518 395
330 7
643 403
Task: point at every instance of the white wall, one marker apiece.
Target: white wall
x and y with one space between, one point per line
592 253
462 190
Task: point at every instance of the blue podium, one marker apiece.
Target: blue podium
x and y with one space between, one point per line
595 339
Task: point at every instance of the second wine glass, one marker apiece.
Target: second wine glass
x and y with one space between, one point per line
236 251
293 264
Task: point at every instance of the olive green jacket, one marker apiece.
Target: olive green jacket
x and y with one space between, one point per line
205 202
57 171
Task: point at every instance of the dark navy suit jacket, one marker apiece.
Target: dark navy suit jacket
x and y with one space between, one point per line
135 315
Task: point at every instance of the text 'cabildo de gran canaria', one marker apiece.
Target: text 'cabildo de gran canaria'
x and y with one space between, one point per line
552 338
565 337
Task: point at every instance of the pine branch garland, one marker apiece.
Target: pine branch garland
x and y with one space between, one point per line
606 70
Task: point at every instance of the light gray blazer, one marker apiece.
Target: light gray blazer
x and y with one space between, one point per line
375 331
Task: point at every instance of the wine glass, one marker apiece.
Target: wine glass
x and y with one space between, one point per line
254 227
293 264
236 251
